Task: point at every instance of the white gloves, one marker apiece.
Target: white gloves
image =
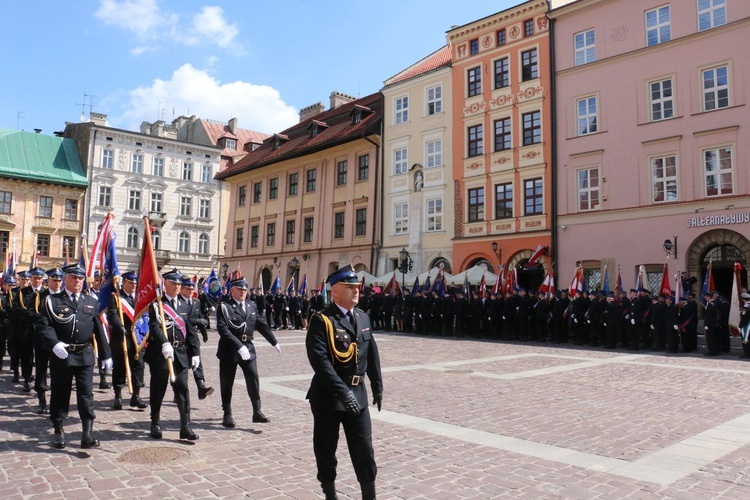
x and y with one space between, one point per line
575 320
107 365
278 348
632 322
61 350
705 328
213 308
605 324
167 351
652 327
244 353
194 362
675 327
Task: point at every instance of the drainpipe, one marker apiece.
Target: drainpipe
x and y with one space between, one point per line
90 177
376 240
553 252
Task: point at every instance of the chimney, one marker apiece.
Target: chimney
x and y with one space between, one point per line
38 130
339 99
99 119
312 110
145 128
233 125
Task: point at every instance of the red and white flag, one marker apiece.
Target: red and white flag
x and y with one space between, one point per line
147 289
548 285
665 288
538 253
576 286
483 288
99 250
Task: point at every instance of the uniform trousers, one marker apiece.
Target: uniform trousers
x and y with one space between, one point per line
61 377
227 371
118 366
358 432
41 365
158 388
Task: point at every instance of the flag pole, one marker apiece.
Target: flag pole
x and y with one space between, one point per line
116 294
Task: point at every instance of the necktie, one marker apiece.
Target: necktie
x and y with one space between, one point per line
351 319
75 299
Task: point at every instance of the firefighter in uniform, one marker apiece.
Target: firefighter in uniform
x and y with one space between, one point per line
195 317
68 326
27 306
5 307
341 351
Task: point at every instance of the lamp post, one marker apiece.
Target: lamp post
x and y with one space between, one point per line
224 270
498 252
294 263
405 265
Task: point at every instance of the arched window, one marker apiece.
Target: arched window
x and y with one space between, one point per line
156 239
203 244
184 242
132 241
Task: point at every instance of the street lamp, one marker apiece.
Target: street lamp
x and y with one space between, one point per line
294 263
498 252
405 266
224 270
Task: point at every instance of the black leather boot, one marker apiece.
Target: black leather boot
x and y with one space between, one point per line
185 431
26 386
118 399
258 416
58 440
155 431
228 421
368 491
87 440
135 399
42 397
204 391
330 490
103 384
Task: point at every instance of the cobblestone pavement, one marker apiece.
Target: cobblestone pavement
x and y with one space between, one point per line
461 419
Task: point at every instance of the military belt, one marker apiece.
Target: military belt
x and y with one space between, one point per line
78 347
178 343
355 380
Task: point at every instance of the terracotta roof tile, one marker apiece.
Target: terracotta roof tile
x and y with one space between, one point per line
438 59
216 130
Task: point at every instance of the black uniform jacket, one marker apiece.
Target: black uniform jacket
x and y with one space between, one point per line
332 379
117 328
232 325
61 321
185 346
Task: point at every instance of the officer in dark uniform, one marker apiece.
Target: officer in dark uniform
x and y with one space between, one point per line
541 317
41 353
69 323
93 290
120 314
195 317
611 321
711 326
689 323
15 326
236 320
341 350
670 325
744 331
5 307
174 339
27 306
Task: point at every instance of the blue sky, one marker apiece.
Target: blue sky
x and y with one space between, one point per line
159 59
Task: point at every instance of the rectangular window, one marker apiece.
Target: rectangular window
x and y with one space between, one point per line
662 100
338 225
241 196
42 244
501 38
206 173
476 204
435 214
158 167
715 88
308 236
585 47
502 135
71 210
311 176
69 248
257 192
157 202
475 140
271 234
711 13
134 199
586 110
6 197
186 206
504 200
664 178
588 189
230 144
533 197
360 228
105 196
239 238
108 158
532 128
45 206
341 172
293 183
273 188
204 209
434 153
187 171
363 167
136 166
502 73
434 100
290 228
474 46
4 242
528 27
474 81
717 164
254 235
400 161
529 65
401 218
658 28
401 111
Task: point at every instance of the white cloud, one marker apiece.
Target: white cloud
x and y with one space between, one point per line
153 26
192 91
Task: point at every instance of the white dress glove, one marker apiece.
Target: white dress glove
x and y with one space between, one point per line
167 351
675 327
61 350
107 365
632 322
194 362
278 348
244 353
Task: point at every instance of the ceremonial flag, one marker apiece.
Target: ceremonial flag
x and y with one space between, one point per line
96 261
260 282
677 287
362 283
303 285
212 287
108 271
708 284
618 282
605 284
34 260
735 305
324 292
148 286
642 280
576 286
12 262
496 288
665 288
500 279
392 286
416 286
440 286
548 285
276 285
290 288
427 285
467 285
538 253
483 287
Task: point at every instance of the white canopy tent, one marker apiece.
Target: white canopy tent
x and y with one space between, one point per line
369 278
475 276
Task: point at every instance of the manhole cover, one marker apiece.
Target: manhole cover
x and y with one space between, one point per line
154 455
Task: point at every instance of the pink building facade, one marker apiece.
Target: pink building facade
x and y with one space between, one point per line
652 135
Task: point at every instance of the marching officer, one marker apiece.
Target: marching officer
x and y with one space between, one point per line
27 307
744 320
173 339
236 320
120 314
69 324
711 326
195 317
342 350
94 292
41 353
5 307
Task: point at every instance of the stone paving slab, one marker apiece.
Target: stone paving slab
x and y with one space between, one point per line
462 419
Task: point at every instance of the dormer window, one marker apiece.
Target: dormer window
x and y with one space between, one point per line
316 127
358 113
230 144
277 140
